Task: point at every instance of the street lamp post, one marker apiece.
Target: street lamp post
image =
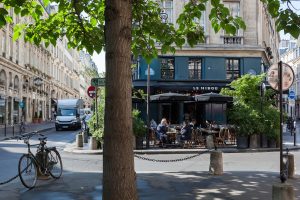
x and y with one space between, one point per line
262 93
164 17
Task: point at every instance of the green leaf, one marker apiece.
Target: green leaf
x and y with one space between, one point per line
93 22
24 12
2 21
46 2
3 11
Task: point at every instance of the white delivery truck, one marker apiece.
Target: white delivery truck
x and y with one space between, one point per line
68 114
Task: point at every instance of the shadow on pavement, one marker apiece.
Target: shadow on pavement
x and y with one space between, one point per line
167 186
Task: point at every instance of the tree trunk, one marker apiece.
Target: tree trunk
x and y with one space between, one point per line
118 161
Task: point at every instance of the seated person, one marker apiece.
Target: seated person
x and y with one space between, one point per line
193 124
185 133
162 129
153 124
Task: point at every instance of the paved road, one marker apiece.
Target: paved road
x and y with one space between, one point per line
247 175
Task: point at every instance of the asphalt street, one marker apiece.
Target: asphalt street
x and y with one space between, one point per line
247 175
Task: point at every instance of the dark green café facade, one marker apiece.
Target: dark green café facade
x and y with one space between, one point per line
191 75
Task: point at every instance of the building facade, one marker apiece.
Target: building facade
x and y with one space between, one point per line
32 78
210 66
291 56
88 70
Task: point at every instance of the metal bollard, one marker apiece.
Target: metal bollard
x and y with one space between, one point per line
79 140
13 129
216 163
85 137
283 191
5 129
290 166
93 143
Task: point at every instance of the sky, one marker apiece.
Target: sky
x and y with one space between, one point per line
99 59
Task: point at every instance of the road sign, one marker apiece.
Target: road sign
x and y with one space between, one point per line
21 104
292 94
287 76
91 91
97 82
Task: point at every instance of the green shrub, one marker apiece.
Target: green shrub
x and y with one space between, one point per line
138 125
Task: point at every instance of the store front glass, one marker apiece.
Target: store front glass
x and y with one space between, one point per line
2 111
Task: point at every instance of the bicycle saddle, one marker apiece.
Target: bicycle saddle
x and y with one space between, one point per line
42 138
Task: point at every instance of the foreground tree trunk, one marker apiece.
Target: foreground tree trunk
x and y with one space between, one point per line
118 161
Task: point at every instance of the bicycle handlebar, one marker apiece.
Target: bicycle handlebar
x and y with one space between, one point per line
27 135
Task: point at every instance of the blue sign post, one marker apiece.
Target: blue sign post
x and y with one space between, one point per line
292 94
21 104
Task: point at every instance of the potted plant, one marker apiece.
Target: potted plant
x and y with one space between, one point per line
35 118
139 129
240 118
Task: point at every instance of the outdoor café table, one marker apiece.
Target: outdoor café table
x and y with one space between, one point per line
172 136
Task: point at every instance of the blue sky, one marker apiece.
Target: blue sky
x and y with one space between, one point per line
99 59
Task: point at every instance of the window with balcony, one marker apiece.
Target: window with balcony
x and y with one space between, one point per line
10 79
3 43
3 79
234 9
16 83
232 68
195 68
167 68
167 7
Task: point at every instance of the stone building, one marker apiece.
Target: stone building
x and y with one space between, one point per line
212 65
291 56
32 78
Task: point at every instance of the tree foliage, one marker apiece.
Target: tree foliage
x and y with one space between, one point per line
98 131
251 112
82 22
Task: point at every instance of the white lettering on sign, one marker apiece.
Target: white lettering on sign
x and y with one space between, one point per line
206 88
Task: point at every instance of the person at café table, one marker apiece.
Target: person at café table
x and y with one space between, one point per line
193 123
162 129
185 132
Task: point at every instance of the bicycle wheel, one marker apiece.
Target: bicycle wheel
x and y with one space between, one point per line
54 163
27 171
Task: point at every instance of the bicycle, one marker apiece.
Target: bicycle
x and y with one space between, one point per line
47 161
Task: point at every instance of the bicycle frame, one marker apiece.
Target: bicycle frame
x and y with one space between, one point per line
40 165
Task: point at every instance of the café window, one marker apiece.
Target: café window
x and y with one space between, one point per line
167 7
167 68
232 68
195 68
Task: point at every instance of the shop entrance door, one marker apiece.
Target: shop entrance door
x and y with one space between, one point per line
170 111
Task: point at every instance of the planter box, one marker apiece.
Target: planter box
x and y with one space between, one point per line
242 142
139 142
264 141
254 142
272 143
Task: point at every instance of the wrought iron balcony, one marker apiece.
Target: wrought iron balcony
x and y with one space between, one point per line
232 39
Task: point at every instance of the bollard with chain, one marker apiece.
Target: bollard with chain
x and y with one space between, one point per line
171 160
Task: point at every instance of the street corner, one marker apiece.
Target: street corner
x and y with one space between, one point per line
72 148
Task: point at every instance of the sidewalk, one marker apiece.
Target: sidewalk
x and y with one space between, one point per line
232 185
29 127
288 142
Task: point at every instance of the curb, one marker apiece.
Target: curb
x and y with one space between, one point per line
81 150
38 131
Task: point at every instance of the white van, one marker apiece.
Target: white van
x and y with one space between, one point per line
68 114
